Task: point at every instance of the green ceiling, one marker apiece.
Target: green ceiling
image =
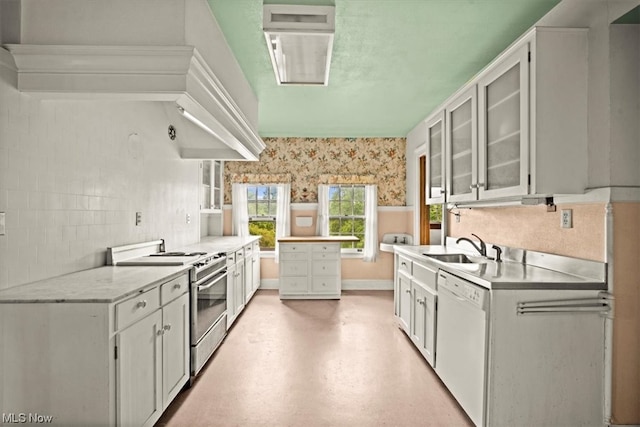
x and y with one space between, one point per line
393 61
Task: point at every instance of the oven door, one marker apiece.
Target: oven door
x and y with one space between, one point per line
209 302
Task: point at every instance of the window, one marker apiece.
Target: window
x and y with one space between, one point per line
346 214
435 217
262 207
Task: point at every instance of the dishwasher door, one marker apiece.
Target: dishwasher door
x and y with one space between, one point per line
461 342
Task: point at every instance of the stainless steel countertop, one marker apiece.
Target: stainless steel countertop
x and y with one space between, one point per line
501 275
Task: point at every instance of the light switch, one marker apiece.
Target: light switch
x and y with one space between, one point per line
138 218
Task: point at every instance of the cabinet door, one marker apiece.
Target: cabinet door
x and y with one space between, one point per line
231 294
175 347
504 127
139 372
425 319
217 185
417 315
248 278
256 271
462 147
239 287
405 300
435 159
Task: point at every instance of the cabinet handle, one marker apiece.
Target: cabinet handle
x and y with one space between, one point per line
177 286
167 327
142 304
408 291
160 332
324 247
481 185
473 186
403 263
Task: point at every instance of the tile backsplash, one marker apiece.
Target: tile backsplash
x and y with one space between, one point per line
73 174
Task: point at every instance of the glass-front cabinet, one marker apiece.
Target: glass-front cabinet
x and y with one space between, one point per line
462 147
435 175
504 127
212 186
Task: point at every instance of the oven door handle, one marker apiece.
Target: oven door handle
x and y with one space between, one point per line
202 288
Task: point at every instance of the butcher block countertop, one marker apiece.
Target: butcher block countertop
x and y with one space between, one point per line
317 239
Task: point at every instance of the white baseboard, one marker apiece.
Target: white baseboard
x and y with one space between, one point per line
347 285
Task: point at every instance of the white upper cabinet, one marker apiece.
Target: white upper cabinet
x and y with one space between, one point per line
504 127
462 147
212 186
435 174
519 128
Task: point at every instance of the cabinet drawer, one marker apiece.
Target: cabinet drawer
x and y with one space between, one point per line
231 258
327 284
239 255
248 250
288 247
326 248
405 264
293 285
293 256
256 246
173 289
425 275
137 307
293 268
326 255
325 268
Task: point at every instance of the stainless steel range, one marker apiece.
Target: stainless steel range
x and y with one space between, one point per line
208 291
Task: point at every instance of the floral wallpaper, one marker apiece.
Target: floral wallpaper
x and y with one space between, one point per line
310 160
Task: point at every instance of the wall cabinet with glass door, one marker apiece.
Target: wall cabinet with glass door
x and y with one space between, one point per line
531 121
212 186
462 147
435 175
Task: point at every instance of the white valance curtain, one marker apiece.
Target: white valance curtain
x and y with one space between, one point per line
370 252
240 212
323 210
283 215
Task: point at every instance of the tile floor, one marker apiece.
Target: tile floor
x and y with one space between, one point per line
316 363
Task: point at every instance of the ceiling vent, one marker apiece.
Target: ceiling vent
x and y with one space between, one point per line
300 41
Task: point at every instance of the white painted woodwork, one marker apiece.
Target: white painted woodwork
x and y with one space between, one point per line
416 141
74 361
405 299
310 270
243 278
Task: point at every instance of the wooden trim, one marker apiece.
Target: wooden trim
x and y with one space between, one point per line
424 208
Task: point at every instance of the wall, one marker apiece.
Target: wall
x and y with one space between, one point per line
307 158
72 176
532 227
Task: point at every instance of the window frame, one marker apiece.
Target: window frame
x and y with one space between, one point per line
353 249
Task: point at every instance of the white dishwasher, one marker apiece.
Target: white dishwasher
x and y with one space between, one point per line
461 342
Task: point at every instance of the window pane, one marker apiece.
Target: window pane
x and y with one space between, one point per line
266 229
334 193
334 226
252 209
263 208
273 208
262 192
273 193
346 193
251 193
358 201
346 208
334 208
346 227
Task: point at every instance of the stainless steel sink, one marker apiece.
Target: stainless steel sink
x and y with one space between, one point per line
453 258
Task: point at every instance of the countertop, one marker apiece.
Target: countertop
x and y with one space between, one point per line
501 275
113 283
317 239
97 285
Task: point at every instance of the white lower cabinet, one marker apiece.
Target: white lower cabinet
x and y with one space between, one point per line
310 270
97 363
243 279
152 361
416 298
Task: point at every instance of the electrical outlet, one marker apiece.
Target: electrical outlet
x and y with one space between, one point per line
188 218
2 224
566 218
138 218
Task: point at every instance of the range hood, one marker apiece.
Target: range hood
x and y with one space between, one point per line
111 51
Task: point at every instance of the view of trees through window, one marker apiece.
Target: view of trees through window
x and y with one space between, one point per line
346 213
262 207
435 214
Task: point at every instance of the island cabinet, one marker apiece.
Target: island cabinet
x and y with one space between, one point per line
520 127
310 268
96 361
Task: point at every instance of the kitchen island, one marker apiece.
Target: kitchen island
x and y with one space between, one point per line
310 267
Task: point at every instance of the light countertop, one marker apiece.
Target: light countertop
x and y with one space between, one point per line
113 283
317 239
501 275
97 285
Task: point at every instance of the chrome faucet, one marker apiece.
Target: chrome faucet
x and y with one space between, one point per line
482 248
